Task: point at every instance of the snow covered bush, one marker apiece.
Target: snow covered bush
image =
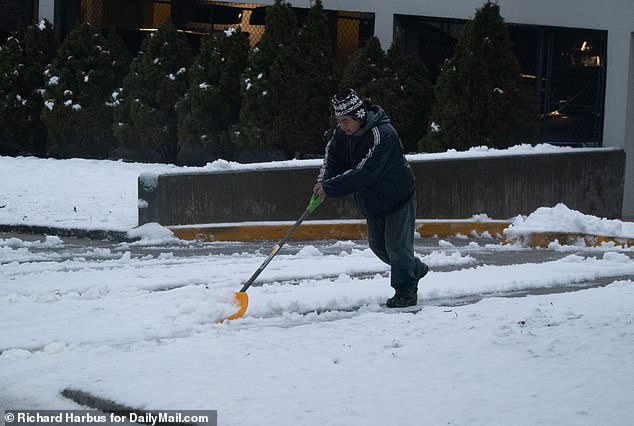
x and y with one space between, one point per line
409 96
23 59
365 71
398 82
480 98
273 90
319 82
211 106
146 112
289 76
86 71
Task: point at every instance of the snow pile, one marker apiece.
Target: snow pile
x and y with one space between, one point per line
484 151
50 241
563 219
440 258
475 152
152 234
308 251
17 250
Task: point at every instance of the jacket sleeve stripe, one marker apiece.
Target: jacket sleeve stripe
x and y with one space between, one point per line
322 170
377 140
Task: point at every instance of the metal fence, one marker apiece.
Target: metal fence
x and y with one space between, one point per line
349 30
132 19
565 67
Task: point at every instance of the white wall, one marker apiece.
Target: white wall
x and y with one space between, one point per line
47 11
628 140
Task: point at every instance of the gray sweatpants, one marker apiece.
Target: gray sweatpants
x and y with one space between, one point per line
391 238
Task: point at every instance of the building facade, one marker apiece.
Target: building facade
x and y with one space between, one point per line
577 55
609 19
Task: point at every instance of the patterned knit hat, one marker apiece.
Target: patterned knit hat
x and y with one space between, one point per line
347 102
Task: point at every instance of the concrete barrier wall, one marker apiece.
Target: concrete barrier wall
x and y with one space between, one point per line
590 181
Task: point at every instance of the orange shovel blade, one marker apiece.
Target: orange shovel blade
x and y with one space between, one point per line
243 299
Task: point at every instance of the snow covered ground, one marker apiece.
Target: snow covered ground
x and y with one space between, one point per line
139 327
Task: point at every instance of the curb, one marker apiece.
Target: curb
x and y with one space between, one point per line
544 239
451 228
339 230
328 230
356 230
93 234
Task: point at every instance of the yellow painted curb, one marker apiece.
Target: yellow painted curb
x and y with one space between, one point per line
451 228
328 231
358 231
352 231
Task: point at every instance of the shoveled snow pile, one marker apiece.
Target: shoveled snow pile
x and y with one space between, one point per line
563 219
151 234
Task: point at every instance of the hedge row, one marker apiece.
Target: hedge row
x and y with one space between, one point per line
87 97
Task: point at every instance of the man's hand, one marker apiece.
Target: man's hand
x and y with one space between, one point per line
319 190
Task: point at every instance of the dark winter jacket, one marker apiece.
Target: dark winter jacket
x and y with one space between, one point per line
369 164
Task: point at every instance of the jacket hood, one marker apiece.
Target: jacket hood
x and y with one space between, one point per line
376 116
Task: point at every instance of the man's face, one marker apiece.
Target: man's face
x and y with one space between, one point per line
348 124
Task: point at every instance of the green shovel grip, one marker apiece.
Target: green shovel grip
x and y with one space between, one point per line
315 201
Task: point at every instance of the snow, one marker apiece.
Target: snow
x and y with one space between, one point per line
314 347
76 193
560 218
151 234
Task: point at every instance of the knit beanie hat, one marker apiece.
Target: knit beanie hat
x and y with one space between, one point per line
347 102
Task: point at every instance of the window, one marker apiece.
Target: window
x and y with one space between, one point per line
566 68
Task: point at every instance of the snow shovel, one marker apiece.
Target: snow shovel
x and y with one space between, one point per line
241 296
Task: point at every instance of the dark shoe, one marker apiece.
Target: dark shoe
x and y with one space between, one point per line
422 272
403 299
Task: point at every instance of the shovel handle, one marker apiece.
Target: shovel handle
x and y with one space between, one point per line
315 201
